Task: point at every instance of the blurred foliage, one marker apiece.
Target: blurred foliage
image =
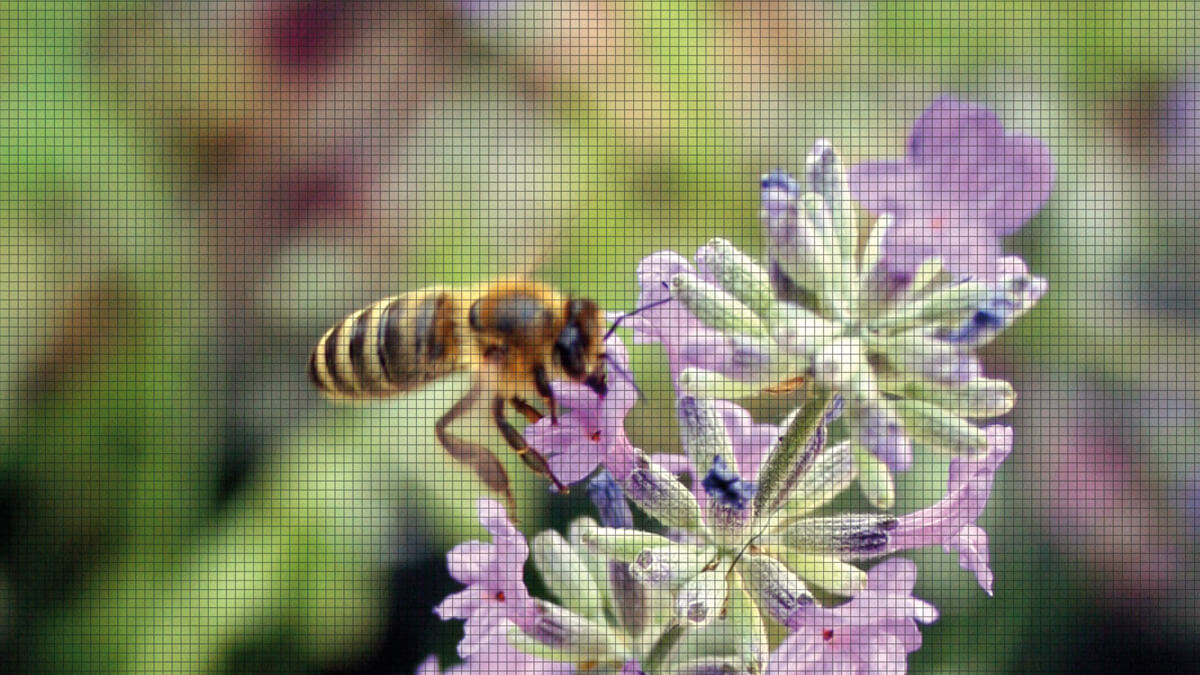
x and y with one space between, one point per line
190 193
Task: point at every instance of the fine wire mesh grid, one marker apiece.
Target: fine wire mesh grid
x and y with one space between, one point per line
313 364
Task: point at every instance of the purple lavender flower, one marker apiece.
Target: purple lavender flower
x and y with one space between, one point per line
951 522
872 633
494 575
964 184
593 432
688 342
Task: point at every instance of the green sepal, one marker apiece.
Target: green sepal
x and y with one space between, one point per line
704 435
873 250
826 478
575 639
781 465
827 177
849 536
670 566
716 307
739 274
701 598
934 427
660 494
709 384
980 398
566 574
621 544
823 571
874 478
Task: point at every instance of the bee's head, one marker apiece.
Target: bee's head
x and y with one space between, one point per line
579 349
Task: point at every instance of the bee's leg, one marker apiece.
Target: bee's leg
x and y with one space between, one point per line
531 413
532 458
542 382
483 463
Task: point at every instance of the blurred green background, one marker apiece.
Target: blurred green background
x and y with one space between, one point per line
190 193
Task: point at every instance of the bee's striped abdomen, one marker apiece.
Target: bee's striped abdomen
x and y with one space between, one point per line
393 346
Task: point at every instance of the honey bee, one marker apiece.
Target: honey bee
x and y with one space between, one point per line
513 334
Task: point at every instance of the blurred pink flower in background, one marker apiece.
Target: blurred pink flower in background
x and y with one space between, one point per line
1102 510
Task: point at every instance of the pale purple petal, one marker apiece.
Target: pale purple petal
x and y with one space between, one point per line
971 543
963 185
872 633
592 432
493 573
688 342
943 524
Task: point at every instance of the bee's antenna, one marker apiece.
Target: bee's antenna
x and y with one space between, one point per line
635 312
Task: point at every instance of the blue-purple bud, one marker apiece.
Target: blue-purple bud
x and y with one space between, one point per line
609 500
724 485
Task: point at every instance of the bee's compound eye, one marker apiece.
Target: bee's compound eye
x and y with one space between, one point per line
473 316
569 350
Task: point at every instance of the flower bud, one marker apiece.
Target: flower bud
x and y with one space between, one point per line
873 251
774 587
704 435
739 274
981 398
715 307
566 574
827 177
849 536
701 598
620 544
799 446
780 206
659 493
670 566
931 426
918 354
805 258
557 634
630 604
832 472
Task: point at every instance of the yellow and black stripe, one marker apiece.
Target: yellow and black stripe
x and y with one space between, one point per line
396 345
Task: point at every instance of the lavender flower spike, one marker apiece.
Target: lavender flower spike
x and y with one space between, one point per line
964 184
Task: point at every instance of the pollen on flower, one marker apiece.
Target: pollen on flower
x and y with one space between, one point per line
827 635
595 436
499 596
